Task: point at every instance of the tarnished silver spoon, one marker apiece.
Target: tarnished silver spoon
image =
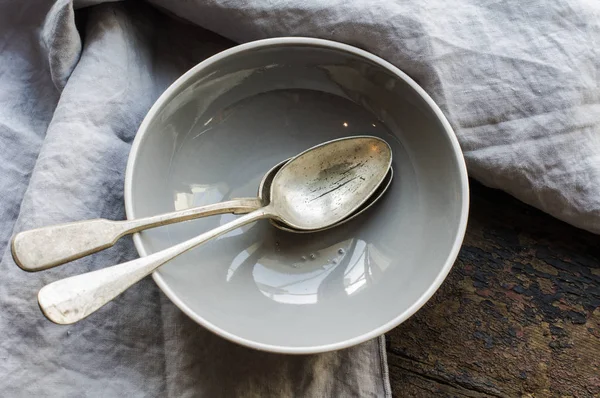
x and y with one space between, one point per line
315 190
46 247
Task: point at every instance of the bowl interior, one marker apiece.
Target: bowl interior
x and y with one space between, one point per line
224 124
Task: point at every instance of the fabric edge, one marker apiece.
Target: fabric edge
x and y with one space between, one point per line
385 372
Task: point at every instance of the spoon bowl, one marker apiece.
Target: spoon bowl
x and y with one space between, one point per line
385 184
327 183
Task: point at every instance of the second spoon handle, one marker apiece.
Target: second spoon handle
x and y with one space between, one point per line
69 300
47 247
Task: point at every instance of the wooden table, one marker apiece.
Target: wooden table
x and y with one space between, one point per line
519 315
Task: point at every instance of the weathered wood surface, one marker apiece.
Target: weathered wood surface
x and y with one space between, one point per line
519 315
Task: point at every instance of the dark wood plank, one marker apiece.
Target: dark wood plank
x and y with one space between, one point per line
519 315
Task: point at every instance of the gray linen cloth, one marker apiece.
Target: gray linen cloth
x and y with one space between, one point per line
518 80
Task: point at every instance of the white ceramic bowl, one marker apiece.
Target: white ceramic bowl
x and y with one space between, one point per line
214 133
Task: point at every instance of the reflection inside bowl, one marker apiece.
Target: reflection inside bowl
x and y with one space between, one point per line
297 273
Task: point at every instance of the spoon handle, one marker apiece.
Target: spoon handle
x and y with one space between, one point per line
69 300
47 247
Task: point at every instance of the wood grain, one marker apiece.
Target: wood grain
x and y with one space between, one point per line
519 315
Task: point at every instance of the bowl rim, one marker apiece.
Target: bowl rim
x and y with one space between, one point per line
317 43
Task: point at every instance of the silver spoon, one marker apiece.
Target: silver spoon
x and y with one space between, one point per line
46 247
317 189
